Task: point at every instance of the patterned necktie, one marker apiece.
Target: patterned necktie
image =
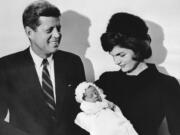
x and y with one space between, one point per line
47 88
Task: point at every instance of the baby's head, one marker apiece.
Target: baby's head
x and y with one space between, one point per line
88 92
91 94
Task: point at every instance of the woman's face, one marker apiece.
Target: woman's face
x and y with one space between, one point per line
123 57
91 94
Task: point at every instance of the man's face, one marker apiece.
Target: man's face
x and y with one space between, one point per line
46 38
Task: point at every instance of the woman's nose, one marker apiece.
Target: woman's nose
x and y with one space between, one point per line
117 61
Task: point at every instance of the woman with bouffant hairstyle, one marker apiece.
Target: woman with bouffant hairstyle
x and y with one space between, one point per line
145 95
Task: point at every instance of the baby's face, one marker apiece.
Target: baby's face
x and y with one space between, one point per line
92 95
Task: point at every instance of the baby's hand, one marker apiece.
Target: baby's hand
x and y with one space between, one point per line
111 105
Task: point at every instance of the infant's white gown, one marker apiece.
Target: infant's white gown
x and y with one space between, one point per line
98 119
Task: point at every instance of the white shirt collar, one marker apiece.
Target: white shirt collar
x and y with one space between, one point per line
38 60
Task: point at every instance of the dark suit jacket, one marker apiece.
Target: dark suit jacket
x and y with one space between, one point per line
20 92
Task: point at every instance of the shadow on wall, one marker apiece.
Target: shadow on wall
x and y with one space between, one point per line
159 53
75 32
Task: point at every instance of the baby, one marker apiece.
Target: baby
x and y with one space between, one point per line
100 116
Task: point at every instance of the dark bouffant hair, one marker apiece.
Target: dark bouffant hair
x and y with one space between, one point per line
36 9
127 31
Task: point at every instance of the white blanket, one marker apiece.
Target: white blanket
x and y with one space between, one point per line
98 119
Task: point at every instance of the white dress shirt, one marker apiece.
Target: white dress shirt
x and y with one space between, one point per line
39 67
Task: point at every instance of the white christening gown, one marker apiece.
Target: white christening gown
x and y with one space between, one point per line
98 119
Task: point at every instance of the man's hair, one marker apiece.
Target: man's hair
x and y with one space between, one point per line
36 9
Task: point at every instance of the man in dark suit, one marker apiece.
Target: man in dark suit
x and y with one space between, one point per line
38 106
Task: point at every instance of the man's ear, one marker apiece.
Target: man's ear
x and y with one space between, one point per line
29 31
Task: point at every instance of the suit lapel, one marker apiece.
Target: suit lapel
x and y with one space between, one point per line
60 72
29 75
60 79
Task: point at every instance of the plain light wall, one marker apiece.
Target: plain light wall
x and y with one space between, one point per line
83 22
